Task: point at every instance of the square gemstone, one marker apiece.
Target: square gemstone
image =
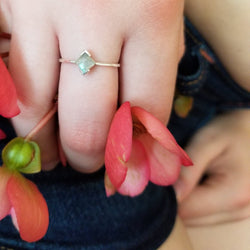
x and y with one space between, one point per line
85 62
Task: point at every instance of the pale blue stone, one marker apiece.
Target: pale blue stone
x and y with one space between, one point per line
85 62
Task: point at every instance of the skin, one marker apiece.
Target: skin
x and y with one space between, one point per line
223 153
217 211
221 148
228 236
178 239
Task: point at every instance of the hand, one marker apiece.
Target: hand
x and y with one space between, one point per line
145 36
221 151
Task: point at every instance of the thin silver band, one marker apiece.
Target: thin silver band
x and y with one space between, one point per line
85 62
62 60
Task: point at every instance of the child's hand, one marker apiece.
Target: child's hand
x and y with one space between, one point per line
220 150
144 36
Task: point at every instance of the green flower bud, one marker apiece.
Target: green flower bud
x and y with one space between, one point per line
22 155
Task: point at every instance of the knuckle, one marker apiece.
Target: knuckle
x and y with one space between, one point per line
162 10
85 149
156 15
242 200
85 140
245 215
33 109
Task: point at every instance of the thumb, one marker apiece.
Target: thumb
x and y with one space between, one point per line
202 150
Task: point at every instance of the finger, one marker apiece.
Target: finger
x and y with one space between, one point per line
182 40
218 194
225 190
87 102
202 149
5 28
219 218
5 17
149 63
204 200
33 65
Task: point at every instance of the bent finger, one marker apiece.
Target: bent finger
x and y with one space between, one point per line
150 58
220 218
202 151
33 65
87 102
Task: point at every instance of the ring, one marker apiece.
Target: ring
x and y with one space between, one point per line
85 62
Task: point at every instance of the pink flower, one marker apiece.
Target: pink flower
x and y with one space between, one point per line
20 197
8 95
140 149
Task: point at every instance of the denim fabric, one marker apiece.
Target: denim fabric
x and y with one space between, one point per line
202 76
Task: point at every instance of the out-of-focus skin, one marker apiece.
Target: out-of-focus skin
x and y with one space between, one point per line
225 196
229 236
220 149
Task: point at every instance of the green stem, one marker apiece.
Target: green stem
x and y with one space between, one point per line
42 123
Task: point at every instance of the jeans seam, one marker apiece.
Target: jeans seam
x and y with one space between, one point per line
193 37
230 105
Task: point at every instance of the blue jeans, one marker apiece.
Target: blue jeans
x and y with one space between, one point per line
202 76
81 217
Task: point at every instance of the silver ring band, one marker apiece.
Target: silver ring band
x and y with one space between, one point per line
85 62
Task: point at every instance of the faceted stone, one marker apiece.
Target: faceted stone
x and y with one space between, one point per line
85 62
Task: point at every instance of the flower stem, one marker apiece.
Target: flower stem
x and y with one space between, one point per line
42 123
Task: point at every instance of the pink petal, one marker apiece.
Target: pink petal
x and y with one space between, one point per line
2 135
109 187
138 171
119 144
164 165
5 205
8 95
14 218
160 133
30 208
